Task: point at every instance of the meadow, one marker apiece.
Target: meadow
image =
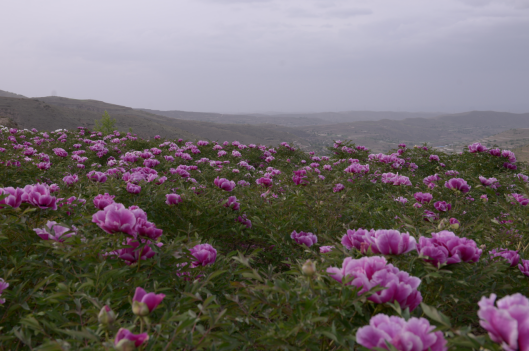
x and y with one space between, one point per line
116 242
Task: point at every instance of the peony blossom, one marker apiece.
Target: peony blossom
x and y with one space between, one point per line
264 181
354 238
507 323
224 184
429 181
243 220
172 199
132 254
3 286
232 203
39 195
416 334
524 266
14 196
511 256
423 197
326 249
477 148
132 188
306 238
60 152
442 206
520 198
144 303
446 248
70 179
102 200
338 187
458 184
116 218
391 242
369 272
204 253
97 176
491 182
55 232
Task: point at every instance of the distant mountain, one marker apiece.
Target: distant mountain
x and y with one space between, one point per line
7 94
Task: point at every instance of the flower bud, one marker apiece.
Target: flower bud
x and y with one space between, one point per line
125 345
140 308
106 316
309 268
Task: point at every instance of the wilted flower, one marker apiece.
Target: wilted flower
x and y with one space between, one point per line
458 184
55 232
309 268
306 238
442 206
391 242
429 215
127 341
446 248
144 303
511 256
416 334
224 184
454 223
132 253
401 200
368 272
102 200
506 324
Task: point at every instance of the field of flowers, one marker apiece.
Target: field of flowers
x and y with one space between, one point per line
114 242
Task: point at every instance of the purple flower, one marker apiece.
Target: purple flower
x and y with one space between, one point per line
520 198
391 242
299 177
454 223
458 184
429 215
476 148
506 324
506 165
368 272
522 177
434 158
224 184
144 303
14 196
3 286
354 238
243 183
97 176
55 232
423 197
204 253
173 199
39 195
70 179
306 238
489 182
132 253
126 340
243 219
326 249
264 181
511 256
102 200
401 200
524 266
357 168
60 152
510 155
446 248
442 206
495 152
116 218
430 180
338 187
132 188
232 203
416 334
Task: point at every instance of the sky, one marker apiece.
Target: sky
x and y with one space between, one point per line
271 55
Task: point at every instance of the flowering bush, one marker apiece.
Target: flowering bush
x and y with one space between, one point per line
234 270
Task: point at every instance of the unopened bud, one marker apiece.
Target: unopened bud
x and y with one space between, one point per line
309 268
140 308
106 316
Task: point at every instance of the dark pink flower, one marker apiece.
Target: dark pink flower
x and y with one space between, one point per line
477 148
306 238
326 249
224 184
126 340
368 272
144 303
520 198
429 215
416 334
3 286
357 168
264 181
434 158
97 176
299 177
338 187
132 188
132 253
423 197
204 253
510 155
442 206
70 179
243 219
14 196
495 152
430 180
506 324
391 242
232 203
511 256
147 229
55 232
173 199
524 266
354 238
458 184
60 152
446 248
510 166
102 200
116 218
39 195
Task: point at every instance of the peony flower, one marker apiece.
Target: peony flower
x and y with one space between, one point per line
126 340
204 253
55 232
524 266
477 148
299 177
338 187
116 218
491 182
429 215
391 242
423 197
454 223
429 181
264 181
520 198
132 254
144 303
401 200
243 219
132 188
306 238
39 195
354 238
434 158
102 200
14 196
506 324
458 184
224 184
70 179
3 286
442 206
416 334
326 249
232 203
511 256
369 272
446 248
97 176
173 198
60 152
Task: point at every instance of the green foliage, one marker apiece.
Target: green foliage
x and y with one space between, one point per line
105 125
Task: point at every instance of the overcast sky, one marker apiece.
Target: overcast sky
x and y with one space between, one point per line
271 55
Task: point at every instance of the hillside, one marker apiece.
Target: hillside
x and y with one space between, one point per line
7 94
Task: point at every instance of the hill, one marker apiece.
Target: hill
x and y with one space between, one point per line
7 94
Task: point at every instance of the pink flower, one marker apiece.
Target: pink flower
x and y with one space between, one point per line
224 184
510 155
243 220
511 256
401 200
60 152
522 177
434 158
391 242
264 181
102 200
39 195
510 166
326 249
520 198
429 215
43 165
430 180
524 266
458 184
232 203
357 168
97 176
416 334
354 238
173 199
299 177
423 197
506 324
204 253
3 286
70 179
14 196
306 238
368 272
338 187
116 218
484 197
144 303
495 152
442 206
417 205
446 248
477 147
55 232
126 340
132 253
132 188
